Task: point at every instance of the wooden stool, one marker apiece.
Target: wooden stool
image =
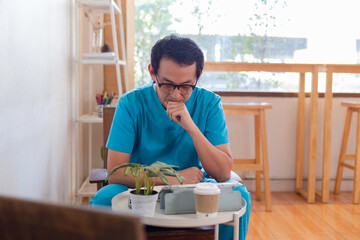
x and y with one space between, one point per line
258 110
352 107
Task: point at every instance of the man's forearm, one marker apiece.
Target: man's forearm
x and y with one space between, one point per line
217 163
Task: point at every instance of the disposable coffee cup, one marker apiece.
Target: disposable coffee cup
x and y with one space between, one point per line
206 200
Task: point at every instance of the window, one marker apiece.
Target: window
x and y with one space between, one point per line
268 31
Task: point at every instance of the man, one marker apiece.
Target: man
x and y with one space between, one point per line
172 121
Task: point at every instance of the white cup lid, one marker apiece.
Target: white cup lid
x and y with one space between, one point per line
206 189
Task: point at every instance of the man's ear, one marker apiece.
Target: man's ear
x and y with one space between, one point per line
200 75
151 71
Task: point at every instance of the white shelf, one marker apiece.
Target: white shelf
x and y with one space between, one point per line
101 61
100 5
87 189
85 83
90 118
99 56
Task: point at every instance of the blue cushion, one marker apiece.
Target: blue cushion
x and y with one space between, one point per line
104 195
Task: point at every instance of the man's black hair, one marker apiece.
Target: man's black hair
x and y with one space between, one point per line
181 50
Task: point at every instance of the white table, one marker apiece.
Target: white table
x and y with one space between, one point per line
120 204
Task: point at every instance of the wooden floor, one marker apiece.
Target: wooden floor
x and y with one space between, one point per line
293 218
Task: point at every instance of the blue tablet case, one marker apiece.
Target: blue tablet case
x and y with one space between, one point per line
180 200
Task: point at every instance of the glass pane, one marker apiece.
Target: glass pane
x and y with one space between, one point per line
250 81
273 31
346 82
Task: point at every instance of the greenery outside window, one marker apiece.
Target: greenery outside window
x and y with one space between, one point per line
259 31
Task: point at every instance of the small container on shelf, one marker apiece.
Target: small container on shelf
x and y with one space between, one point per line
100 109
103 99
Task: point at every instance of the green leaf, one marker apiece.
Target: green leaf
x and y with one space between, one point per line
127 170
164 165
179 177
133 171
124 165
102 152
173 173
138 172
164 179
168 172
151 173
113 170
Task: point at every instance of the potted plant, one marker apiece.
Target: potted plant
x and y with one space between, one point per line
143 198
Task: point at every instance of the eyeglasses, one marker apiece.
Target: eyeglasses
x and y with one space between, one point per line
170 88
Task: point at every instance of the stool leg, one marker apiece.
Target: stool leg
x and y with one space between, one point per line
257 157
356 190
216 232
265 161
343 151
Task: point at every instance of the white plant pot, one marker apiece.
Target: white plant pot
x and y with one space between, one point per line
143 205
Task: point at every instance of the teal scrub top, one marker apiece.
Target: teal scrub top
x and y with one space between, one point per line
142 128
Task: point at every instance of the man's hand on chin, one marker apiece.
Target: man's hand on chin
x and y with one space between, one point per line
177 112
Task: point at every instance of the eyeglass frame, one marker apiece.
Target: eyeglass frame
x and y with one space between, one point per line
178 86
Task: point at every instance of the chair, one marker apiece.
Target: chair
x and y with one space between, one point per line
99 175
258 164
352 107
28 219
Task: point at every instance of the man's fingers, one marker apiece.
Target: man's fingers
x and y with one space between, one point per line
172 111
201 176
198 174
174 116
192 175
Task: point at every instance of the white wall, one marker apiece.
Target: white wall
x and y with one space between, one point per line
35 117
281 123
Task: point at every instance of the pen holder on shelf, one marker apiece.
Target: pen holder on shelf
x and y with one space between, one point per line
100 110
102 100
